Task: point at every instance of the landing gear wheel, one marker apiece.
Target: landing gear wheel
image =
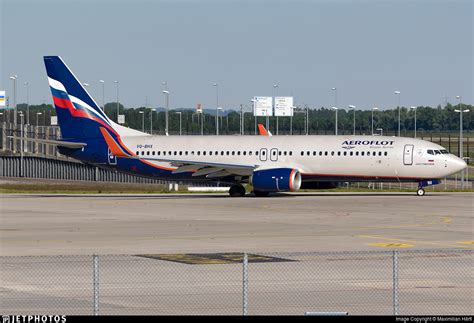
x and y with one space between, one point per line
261 193
237 191
420 191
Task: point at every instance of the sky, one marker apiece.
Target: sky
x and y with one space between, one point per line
367 49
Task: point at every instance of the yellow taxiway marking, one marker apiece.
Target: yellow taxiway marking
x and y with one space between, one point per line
466 242
392 245
412 241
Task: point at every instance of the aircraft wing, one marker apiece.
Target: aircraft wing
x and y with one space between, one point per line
66 144
207 169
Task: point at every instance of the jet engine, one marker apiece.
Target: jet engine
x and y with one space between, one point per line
276 180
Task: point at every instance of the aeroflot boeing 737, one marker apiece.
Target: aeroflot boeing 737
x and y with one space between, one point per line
269 163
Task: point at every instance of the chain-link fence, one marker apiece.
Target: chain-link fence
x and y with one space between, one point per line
389 282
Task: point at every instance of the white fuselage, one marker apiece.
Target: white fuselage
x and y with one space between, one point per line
323 157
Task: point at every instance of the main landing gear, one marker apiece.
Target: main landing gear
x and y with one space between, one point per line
237 191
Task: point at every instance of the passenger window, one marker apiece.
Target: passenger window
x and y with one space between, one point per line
308 153
250 153
380 153
175 153
284 153
180 153
210 153
186 152
362 153
199 153
227 153
325 153
302 153
217 153
238 153
291 153
320 153
256 153
233 153
339 153
385 153
314 153
357 153
204 153
279 153
351 153
374 153
245 153
345 153
222 153
332 153
138 153
158 153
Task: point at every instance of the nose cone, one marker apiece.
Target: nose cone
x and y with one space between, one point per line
458 164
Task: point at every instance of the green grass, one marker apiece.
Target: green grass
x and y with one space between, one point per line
88 188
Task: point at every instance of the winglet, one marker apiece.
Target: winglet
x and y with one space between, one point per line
112 144
262 131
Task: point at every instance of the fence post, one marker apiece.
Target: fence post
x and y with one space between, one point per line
245 285
96 284
395 283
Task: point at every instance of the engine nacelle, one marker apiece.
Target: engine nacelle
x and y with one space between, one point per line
276 180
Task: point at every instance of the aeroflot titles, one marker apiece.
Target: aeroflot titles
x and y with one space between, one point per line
368 142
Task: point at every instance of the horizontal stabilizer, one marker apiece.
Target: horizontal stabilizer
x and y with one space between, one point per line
66 144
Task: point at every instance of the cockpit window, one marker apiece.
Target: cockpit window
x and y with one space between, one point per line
437 152
430 151
444 151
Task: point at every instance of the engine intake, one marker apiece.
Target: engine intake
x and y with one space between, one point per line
276 180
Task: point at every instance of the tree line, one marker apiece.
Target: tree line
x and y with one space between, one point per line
320 120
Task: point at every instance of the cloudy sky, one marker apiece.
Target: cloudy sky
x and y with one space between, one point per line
367 49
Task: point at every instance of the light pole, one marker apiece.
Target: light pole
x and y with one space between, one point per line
352 107
414 108
335 96
398 93
37 115
103 94
275 86
143 120
21 145
335 126
1 114
372 128
254 114
179 112
151 121
13 78
167 94
307 119
217 120
217 107
461 155
118 112
27 103
241 120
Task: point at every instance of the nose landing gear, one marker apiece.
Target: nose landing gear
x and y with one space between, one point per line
420 191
